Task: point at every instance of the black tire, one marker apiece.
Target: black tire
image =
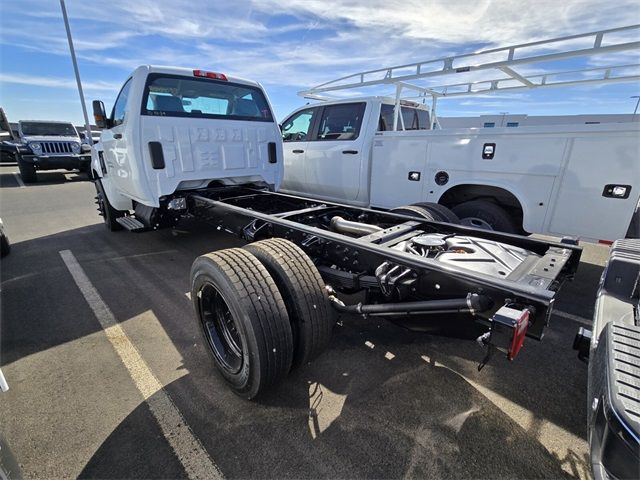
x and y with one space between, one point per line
485 214
439 212
27 171
243 320
106 210
415 211
85 168
303 290
5 246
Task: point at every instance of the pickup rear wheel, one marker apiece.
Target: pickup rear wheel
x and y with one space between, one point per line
243 320
303 290
439 212
486 215
106 210
27 171
415 211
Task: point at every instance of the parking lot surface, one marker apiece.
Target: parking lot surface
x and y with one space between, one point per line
109 377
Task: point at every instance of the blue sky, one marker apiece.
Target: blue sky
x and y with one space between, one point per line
288 46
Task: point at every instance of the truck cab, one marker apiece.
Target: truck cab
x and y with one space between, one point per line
176 129
327 145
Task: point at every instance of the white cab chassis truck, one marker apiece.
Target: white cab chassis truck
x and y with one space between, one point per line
184 142
577 180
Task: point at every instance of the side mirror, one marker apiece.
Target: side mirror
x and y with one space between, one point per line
99 115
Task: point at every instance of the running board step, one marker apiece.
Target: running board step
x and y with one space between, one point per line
132 224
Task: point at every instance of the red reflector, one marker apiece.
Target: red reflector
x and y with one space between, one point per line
205 74
519 332
606 242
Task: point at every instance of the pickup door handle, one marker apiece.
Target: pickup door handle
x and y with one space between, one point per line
117 135
350 152
297 151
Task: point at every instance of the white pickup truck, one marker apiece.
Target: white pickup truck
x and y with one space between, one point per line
579 180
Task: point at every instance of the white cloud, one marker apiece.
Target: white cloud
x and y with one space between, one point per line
54 82
294 44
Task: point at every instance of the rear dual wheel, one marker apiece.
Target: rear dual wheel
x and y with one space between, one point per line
262 310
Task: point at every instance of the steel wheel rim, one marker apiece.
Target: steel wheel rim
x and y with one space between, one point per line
476 223
220 329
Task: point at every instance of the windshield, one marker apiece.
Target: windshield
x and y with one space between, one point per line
48 129
179 96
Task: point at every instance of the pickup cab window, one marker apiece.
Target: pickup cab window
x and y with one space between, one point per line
296 128
177 96
414 118
121 104
341 122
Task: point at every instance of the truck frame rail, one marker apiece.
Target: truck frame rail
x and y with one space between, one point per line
374 259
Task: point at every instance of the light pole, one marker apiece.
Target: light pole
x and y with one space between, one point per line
87 125
503 115
635 110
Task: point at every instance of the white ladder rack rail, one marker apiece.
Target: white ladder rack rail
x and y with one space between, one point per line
403 77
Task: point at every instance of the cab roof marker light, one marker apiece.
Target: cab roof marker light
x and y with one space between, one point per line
213 75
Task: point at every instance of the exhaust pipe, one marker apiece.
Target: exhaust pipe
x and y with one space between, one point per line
340 225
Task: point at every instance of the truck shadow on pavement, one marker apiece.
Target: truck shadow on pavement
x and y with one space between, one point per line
381 402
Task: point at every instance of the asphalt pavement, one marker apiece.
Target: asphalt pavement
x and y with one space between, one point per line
381 402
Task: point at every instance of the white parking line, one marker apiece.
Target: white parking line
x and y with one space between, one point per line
571 316
19 180
195 459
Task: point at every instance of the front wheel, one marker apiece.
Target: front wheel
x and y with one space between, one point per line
243 319
486 215
27 171
106 210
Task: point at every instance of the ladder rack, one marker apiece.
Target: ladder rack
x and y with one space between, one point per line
499 67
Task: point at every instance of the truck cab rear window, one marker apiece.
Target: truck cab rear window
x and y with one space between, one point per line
414 118
179 96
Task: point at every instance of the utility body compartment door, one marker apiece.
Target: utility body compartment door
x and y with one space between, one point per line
600 186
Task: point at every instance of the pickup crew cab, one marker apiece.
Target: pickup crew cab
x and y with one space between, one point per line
578 180
48 145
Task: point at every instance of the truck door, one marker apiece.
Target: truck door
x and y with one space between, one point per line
295 132
335 152
114 143
598 192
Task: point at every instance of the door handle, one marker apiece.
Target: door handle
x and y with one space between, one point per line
350 152
297 151
117 136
